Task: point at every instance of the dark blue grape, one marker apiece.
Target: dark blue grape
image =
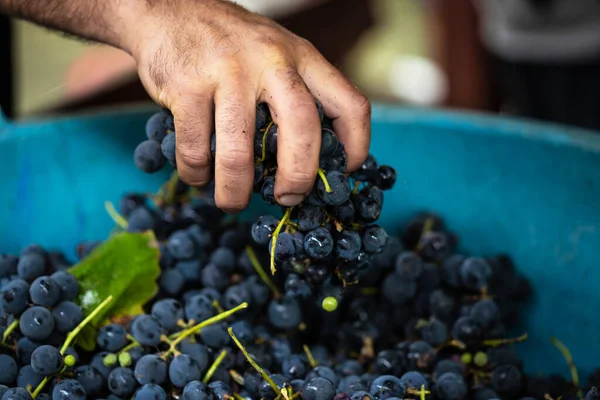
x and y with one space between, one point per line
284 313
441 305
235 295
344 212
268 190
197 352
318 388
340 188
318 243
28 377
351 384
323 372
150 392
262 116
293 367
112 337
36 323
263 228
190 270
295 286
347 245
9 370
367 172
223 257
387 177
310 217
147 330
196 390
202 237
265 390
397 289
25 348
336 162
435 332
272 141
69 287
285 247
91 379
421 356
387 386
374 239
475 273
171 281
199 308
414 380
259 292
409 265
31 266
215 336
450 386
8 265
466 330
362 395
67 315
156 128
445 366
366 209
148 156
373 193
168 312
121 382
168 148
140 220
259 175
45 360
486 393
17 393
329 142
14 296
213 277
130 202
182 370
99 364
298 238
181 245
506 379
243 331
151 369
484 312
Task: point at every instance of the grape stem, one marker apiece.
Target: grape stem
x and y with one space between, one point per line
9 330
214 366
264 145
500 342
73 334
237 396
283 221
112 212
421 392
70 337
324 179
569 359
257 367
261 272
217 306
309 356
213 320
239 379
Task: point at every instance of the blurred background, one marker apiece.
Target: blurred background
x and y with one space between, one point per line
422 53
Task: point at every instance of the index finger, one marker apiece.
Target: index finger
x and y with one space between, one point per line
342 102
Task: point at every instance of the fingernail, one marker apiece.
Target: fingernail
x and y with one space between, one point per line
289 200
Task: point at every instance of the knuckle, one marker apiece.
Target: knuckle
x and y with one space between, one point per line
194 159
362 106
235 161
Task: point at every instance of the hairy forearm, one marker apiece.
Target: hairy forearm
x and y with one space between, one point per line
98 20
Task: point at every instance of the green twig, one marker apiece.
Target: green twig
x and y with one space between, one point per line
10 330
324 179
311 360
214 366
114 214
73 334
257 367
500 342
264 145
286 216
261 272
569 358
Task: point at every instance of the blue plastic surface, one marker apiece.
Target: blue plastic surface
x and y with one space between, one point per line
515 187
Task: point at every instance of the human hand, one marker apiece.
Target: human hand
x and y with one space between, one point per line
208 58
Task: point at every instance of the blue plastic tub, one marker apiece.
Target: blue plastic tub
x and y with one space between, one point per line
526 189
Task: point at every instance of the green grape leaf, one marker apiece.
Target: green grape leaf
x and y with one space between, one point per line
126 266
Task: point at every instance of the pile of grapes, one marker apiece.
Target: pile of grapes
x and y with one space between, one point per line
318 304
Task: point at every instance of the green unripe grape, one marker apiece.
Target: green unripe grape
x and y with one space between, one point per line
110 360
480 359
125 359
70 360
466 358
329 304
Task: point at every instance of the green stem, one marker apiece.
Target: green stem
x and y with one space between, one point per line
286 216
114 214
73 334
217 306
569 358
264 144
309 356
213 320
253 363
500 342
40 387
10 330
261 272
324 179
214 366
